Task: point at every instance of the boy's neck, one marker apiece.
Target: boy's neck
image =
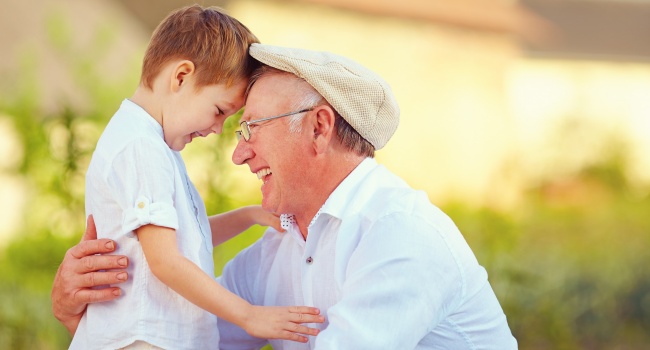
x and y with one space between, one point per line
147 100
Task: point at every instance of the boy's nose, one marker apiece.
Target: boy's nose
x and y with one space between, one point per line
216 128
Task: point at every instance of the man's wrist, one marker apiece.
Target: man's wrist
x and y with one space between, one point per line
69 322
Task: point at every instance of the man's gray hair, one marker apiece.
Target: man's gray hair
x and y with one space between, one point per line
346 134
310 98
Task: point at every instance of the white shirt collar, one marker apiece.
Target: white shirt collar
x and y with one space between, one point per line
337 203
135 111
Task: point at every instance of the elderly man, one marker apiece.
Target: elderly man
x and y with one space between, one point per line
387 268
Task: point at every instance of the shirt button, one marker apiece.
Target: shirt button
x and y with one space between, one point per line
309 260
140 205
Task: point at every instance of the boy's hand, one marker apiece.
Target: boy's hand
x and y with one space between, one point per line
264 218
277 322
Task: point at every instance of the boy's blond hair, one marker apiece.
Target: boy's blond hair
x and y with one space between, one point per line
215 42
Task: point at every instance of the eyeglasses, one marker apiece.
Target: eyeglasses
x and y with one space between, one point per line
245 131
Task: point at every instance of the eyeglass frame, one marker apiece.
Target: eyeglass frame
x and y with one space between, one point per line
245 125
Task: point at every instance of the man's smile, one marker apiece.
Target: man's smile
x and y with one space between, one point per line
262 173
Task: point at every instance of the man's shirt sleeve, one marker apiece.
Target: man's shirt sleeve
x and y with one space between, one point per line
401 281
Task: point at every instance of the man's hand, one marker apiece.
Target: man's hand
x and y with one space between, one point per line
80 271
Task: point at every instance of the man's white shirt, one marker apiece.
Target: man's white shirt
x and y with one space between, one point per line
388 269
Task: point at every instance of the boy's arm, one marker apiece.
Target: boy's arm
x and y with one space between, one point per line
188 280
227 225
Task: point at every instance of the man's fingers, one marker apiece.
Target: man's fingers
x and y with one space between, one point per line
86 248
100 262
91 230
88 296
94 279
89 244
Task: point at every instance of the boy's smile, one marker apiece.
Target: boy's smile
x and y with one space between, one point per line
200 113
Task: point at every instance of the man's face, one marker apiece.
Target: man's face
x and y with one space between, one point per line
278 157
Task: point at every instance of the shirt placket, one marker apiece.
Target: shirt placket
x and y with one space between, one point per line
309 259
191 194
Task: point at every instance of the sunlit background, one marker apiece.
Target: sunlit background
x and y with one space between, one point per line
528 122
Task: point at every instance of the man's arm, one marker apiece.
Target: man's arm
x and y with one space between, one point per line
80 271
401 281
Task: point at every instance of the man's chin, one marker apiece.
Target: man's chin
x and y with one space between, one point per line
266 205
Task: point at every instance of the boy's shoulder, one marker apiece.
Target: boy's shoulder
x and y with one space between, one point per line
130 127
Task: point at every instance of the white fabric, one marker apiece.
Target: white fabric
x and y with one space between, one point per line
387 268
135 179
140 345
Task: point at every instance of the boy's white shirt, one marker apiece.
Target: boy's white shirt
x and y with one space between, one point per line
135 179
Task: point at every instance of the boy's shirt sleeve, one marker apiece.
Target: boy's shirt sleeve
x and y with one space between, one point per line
142 179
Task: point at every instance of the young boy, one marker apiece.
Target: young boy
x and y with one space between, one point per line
194 74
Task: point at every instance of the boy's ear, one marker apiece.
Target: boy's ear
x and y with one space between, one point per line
182 70
323 127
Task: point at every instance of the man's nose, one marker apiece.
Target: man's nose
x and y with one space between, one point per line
242 152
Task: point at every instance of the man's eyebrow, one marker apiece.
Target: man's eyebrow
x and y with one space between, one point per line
245 116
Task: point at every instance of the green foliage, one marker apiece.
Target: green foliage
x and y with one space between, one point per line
26 271
26 320
569 265
55 148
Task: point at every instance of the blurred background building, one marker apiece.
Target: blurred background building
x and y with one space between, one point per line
483 84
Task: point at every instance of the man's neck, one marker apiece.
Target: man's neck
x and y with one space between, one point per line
325 185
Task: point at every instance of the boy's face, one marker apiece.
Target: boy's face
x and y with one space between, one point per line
195 113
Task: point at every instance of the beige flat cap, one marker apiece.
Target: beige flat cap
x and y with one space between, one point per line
359 95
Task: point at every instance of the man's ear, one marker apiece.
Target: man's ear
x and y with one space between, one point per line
182 70
323 127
